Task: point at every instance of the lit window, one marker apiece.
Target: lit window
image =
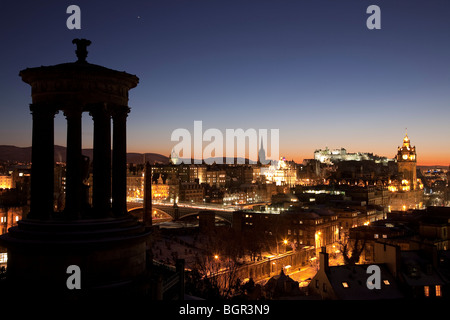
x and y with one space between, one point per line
426 291
345 284
438 291
386 282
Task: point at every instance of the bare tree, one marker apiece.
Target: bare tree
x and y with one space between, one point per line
219 264
351 249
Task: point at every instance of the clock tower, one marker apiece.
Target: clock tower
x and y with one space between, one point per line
406 163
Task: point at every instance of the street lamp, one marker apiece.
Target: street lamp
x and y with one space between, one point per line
285 242
317 240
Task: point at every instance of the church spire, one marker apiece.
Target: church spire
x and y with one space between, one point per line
262 154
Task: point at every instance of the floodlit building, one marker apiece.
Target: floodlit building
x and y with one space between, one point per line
6 182
406 190
333 156
281 173
407 164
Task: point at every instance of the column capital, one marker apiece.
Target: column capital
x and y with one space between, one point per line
99 109
43 109
72 112
120 111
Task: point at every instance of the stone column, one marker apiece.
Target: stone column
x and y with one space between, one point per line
179 264
74 190
42 158
147 215
102 161
119 160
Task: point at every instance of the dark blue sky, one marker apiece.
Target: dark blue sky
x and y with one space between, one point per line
309 68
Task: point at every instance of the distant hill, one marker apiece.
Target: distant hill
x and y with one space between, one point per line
150 157
23 154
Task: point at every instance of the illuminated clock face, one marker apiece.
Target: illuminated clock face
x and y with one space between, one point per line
405 156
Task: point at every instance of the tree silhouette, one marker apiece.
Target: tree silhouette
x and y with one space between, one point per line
352 252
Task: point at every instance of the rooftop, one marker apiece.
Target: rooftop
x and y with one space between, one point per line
349 283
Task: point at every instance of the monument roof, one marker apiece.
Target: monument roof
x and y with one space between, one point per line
71 69
78 82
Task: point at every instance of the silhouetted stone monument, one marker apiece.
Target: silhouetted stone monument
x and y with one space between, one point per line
81 51
105 241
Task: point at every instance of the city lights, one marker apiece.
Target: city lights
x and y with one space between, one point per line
163 182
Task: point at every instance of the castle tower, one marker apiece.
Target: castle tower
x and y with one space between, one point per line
407 162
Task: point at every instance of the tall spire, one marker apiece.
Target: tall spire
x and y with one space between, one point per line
406 141
262 154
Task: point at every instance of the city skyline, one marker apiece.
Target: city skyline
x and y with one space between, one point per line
312 70
350 98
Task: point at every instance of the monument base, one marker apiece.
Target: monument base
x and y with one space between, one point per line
110 254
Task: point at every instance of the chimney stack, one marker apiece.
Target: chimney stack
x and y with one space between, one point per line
323 260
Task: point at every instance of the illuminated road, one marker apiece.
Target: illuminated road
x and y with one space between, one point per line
137 204
199 206
184 209
204 206
303 275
